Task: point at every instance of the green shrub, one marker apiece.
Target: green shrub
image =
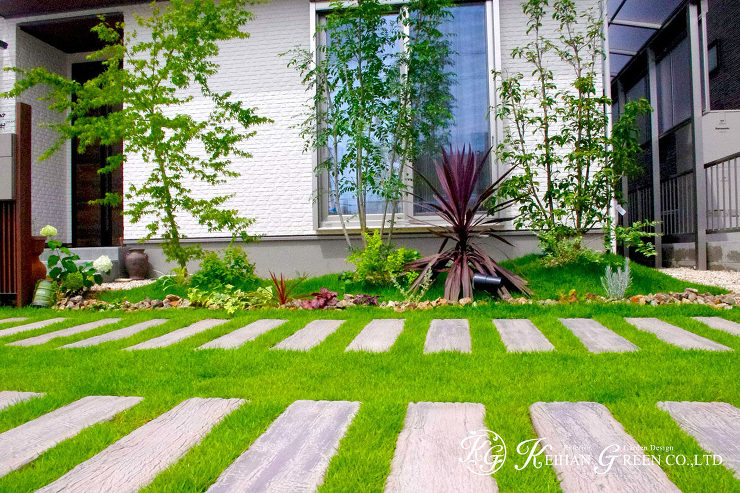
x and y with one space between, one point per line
72 282
234 269
230 299
569 251
380 264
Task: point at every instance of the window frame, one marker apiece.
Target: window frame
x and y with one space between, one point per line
406 220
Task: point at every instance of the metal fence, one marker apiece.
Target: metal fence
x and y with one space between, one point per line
678 205
640 204
723 201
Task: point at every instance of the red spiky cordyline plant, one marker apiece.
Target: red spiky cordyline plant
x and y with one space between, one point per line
456 201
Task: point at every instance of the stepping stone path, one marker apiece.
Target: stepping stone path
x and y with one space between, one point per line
294 453
12 320
241 336
133 461
715 425
116 334
378 336
10 397
309 336
428 452
720 323
675 335
596 337
579 429
44 338
22 444
449 334
179 334
521 335
33 325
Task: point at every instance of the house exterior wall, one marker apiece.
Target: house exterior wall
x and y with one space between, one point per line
723 26
277 184
50 178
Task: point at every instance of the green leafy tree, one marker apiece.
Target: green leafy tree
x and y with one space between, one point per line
153 78
379 97
569 164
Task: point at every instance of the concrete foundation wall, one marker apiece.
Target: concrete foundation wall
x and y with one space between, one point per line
328 254
723 253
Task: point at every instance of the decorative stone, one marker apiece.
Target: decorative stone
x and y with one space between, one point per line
377 336
241 336
44 338
179 334
448 335
134 461
294 453
309 336
521 335
675 335
9 397
428 451
588 429
21 445
596 337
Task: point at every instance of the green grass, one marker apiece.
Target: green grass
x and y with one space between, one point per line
546 282
629 384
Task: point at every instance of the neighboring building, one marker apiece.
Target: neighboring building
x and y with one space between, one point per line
684 56
277 184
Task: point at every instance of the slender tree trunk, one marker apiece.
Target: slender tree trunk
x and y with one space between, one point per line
169 211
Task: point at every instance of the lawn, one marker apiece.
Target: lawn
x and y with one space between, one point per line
629 384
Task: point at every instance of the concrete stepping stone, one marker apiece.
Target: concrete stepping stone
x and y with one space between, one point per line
134 461
596 337
22 444
11 397
428 451
116 334
521 335
378 336
715 425
294 453
33 325
309 336
178 335
449 334
675 335
12 320
44 338
582 431
719 323
241 336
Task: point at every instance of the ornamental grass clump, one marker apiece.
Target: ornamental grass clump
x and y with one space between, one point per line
458 203
615 283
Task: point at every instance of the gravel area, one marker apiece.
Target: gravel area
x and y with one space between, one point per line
120 284
726 279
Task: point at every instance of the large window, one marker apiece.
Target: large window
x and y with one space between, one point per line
467 32
674 87
640 90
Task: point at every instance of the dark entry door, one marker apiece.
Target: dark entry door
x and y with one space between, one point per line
94 225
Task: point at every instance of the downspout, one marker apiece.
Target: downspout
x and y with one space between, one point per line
607 89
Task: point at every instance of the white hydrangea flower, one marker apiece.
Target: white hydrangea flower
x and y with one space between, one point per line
48 230
103 264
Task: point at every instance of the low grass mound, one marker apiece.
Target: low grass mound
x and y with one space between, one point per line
585 277
546 282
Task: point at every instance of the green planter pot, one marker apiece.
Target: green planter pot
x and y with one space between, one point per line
43 296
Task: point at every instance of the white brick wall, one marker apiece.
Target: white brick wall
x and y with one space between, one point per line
276 184
51 177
